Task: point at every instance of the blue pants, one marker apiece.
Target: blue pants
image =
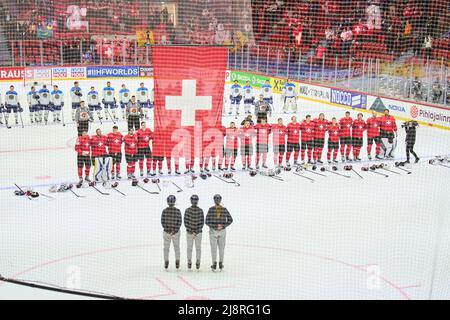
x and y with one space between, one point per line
35 108
95 108
15 109
75 105
268 100
123 105
46 107
235 100
56 108
110 105
147 105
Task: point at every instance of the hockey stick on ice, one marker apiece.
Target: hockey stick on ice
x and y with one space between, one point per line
398 173
298 174
407 171
101 192
21 121
151 192
353 169
179 189
337 173
20 189
379 173
113 120
47 196
119 191
220 178
76 194
237 183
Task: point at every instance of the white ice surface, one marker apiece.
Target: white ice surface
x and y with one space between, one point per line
337 238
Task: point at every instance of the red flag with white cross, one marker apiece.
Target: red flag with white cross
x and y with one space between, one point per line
189 88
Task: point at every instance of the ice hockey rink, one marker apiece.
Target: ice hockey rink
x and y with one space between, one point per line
336 238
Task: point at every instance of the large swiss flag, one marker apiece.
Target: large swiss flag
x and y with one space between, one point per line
189 88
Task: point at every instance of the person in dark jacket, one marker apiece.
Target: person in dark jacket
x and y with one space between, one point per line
194 220
218 219
171 222
410 128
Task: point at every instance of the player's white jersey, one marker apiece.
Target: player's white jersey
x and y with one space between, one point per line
11 98
266 91
142 95
289 90
92 98
248 93
57 98
108 94
236 90
44 95
75 98
124 96
33 98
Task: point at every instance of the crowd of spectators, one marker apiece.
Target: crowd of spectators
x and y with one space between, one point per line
94 29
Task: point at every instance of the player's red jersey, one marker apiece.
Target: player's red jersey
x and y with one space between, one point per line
115 141
333 132
131 144
98 144
307 131
346 125
373 127
388 124
232 135
144 137
279 134
358 128
320 128
246 135
293 132
83 146
262 133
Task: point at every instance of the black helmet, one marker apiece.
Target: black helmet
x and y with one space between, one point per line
171 200
194 199
217 198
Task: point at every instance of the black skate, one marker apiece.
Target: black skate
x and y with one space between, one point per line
166 265
233 169
214 266
177 264
177 172
119 177
221 265
197 265
169 172
189 265
417 160
378 157
264 166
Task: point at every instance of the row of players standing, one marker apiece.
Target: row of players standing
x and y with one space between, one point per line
303 140
44 102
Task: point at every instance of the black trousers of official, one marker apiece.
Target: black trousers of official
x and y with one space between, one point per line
82 126
410 149
134 122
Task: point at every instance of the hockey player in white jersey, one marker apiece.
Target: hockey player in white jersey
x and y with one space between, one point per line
249 97
93 101
34 105
267 92
124 98
235 97
109 101
143 97
12 105
57 103
75 94
289 97
2 110
44 100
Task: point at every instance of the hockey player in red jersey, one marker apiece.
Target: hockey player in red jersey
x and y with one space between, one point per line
83 149
346 136
373 135
293 141
320 128
307 129
246 135
100 157
358 128
262 142
115 141
279 142
131 151
231 146
144 135
388 134
333 141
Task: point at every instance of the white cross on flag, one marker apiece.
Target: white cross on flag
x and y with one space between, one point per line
189 87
